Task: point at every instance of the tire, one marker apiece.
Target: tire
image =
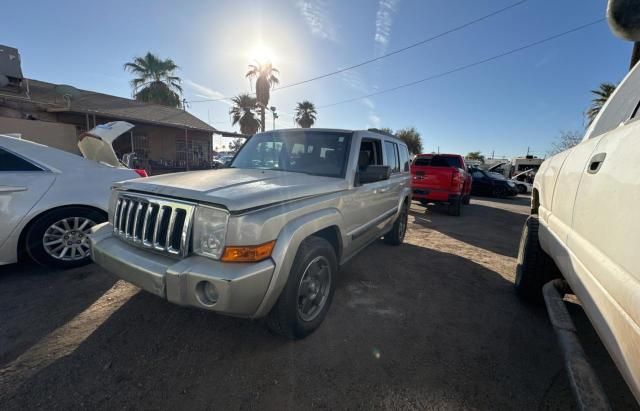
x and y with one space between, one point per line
535 267
466 199
424 203
287 317
455 207
522 189
396 235
47 229
499 192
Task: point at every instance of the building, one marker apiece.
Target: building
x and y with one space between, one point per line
165 139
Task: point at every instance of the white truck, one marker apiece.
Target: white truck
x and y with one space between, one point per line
585 226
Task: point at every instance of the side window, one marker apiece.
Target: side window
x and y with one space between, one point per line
370 152
404 158
621 107
391 156
11 162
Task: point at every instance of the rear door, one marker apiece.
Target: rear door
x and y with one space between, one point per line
397 181
22 184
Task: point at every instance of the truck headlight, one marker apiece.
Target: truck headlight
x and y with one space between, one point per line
209 231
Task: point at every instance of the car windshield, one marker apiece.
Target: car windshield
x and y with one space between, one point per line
311 152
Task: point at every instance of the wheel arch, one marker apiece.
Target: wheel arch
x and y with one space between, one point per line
21 250
535 201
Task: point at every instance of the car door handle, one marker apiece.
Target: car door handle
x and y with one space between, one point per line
11 189
596 163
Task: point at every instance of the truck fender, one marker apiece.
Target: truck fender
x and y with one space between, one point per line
286 248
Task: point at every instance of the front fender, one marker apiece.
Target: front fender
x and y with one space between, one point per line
287 244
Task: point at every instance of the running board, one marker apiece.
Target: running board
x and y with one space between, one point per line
585 384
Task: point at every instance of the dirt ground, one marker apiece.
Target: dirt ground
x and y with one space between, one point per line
432 324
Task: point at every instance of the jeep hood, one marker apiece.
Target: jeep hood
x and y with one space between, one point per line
236 189
97 144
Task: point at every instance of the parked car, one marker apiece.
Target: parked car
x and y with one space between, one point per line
266 236
441 178
524 181
486 183
52 198
585 225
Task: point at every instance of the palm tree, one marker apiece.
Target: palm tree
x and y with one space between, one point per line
155 81
265 75
602 94
244 112
305 114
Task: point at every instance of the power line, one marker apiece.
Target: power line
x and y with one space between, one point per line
467 66
419 43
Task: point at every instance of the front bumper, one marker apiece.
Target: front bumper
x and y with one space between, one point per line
241 287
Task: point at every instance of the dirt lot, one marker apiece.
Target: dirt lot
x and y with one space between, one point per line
430 324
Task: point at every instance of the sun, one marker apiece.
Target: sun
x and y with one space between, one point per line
262 53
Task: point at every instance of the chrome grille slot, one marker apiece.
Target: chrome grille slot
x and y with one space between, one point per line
152 222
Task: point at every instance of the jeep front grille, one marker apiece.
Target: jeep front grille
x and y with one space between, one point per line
155 223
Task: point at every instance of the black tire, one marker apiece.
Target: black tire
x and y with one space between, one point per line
466 199
535 267
34 239
424 203
522 189
455 207
396 235
284 318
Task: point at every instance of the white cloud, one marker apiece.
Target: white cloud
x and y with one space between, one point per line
367 102
203 91
384 22
374 121
317 17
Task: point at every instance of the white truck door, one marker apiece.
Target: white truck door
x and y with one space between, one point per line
22 184
604 245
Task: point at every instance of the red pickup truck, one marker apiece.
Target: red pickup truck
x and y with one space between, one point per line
441 178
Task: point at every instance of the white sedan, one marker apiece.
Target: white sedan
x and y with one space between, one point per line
50 199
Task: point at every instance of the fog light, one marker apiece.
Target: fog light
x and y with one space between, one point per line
207 293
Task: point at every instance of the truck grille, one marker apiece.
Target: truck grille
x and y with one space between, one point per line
154 223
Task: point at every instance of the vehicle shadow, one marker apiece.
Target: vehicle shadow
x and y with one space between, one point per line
490 228
35 300
409 327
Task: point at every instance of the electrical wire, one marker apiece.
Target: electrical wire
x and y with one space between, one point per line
369 61
467 66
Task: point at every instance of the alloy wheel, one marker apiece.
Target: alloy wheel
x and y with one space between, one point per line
67 239
314 288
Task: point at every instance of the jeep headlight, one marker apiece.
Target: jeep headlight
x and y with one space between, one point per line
209 231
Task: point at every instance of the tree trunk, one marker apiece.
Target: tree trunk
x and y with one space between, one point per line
262 115
635 54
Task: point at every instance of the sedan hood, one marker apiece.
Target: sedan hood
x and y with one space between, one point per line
237 189
97 144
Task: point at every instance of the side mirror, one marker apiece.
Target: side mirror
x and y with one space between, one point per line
371 174
624 19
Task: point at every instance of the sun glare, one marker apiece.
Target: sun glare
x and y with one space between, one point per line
262 53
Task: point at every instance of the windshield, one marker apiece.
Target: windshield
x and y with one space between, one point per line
311 152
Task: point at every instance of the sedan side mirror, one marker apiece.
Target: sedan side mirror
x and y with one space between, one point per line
373 173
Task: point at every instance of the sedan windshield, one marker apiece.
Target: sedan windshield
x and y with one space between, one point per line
311 152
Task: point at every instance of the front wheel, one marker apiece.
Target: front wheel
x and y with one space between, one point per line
534 267
522 189
59 239
306 297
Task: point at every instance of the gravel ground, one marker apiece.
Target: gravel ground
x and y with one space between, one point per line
432 324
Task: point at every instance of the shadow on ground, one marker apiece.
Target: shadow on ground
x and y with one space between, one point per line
410 327
35 301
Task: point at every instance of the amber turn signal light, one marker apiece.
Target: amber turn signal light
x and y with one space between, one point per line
247 254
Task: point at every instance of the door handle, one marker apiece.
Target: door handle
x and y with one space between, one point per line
11 189
596 163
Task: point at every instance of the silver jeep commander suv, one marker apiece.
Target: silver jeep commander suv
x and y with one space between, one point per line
265 236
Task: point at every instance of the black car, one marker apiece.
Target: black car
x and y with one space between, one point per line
491 184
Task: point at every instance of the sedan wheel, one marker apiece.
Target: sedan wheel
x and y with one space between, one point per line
67 239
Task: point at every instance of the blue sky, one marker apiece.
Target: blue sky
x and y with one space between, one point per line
519 101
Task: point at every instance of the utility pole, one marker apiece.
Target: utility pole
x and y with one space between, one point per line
275 115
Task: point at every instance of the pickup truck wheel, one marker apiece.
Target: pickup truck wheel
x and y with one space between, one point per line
59 238
397 233
534 267
466 199
455 207
306 297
